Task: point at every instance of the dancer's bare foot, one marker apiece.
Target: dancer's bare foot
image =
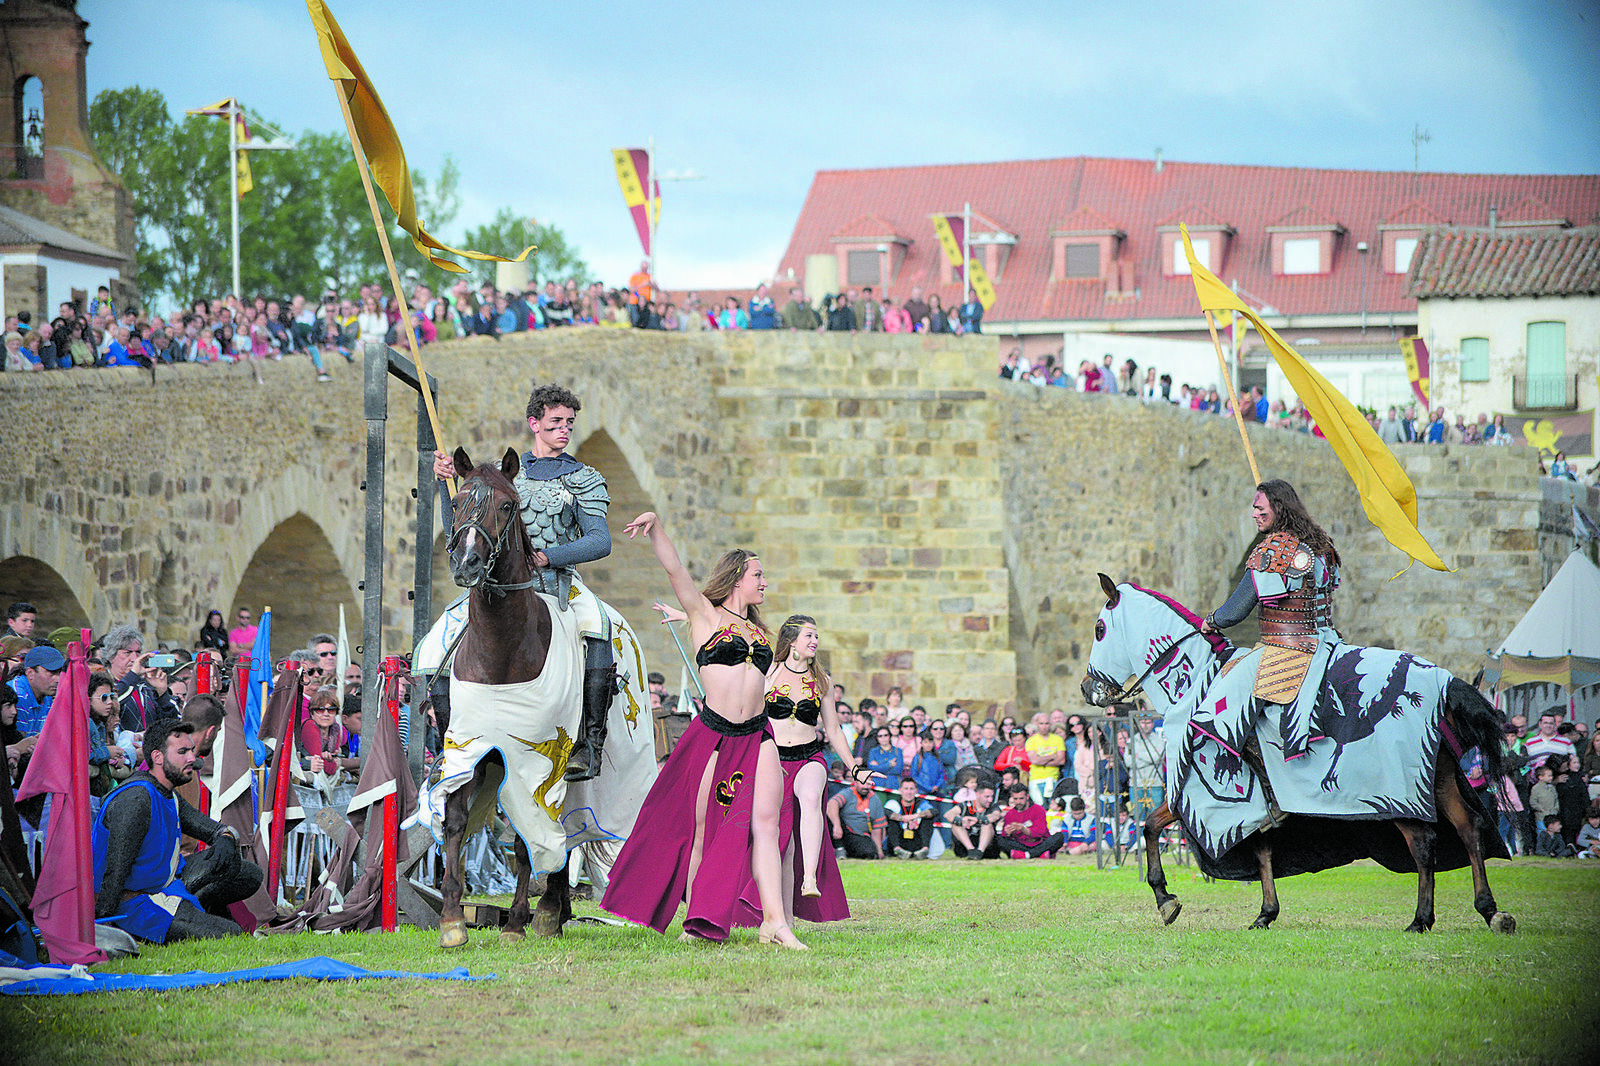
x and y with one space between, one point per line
808 887
780 936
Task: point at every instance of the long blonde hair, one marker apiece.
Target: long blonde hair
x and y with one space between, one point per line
788 633
725 575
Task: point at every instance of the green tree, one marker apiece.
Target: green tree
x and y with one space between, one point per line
507 234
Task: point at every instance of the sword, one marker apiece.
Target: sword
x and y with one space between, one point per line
694 675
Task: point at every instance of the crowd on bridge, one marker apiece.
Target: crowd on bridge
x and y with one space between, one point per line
232 329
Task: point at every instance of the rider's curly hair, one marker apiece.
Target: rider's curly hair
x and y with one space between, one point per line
1291 516
552 395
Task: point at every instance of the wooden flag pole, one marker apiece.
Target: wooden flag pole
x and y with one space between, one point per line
394 275
1233 396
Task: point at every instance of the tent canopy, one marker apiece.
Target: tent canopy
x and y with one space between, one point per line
1557 642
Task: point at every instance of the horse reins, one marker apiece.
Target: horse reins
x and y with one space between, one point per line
1121 694
478 505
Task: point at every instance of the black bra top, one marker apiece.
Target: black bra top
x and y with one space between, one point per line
728 647
781 703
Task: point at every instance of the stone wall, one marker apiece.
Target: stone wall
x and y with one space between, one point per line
942 525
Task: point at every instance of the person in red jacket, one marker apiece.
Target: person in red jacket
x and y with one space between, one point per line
1014 754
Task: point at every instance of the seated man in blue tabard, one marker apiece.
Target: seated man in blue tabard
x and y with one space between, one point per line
143 885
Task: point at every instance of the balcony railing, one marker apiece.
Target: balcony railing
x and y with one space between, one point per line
1544 392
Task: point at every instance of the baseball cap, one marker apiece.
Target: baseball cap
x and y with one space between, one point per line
46 656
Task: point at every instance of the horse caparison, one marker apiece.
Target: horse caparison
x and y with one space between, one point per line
1470 718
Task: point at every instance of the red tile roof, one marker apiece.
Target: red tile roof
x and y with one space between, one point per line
866 228
1132 195
1495 263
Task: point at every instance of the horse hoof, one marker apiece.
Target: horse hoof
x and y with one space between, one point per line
546 924
1416 927
1260 924
1503 923
511 937
1170 911
453 934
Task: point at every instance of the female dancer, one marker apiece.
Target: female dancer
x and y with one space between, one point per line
711 818
799 702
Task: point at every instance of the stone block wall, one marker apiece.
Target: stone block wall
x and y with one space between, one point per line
943 526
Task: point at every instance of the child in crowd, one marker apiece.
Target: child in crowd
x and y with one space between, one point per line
1056 817
1079 829
1542 798
1589 835
1551 843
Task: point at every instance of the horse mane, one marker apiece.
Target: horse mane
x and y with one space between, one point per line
1220 645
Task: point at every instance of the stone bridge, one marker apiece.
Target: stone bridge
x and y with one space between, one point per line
942 525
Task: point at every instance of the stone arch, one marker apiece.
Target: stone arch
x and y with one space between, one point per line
27 125
30 580
45 549
628 578
300 491
296 572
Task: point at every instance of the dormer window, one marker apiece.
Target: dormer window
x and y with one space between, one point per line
1081 260
1084 247
1400 252
1302 242
1208 234
1302 255
1400 232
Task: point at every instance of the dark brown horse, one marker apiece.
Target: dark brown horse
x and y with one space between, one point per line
507 641
1136 619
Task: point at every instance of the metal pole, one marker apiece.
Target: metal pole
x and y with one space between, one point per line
376 403
422 602
233 184
966 249
650 208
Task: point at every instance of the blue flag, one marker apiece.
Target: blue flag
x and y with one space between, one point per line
260 685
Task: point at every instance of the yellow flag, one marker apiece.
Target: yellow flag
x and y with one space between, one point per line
385 156
246 183
1386 492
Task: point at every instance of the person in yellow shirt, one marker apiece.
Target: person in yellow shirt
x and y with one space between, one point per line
1047 753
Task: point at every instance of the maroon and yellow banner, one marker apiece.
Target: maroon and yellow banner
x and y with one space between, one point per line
951 231
1416 353
1571 433
633 166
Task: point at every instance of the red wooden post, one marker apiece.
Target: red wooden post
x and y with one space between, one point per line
392 668
202 672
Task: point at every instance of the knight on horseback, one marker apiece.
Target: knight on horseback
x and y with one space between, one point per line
1290 577
563 506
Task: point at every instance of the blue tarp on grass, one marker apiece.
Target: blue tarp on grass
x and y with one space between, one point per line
319 968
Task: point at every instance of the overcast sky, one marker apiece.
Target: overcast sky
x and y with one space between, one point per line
531 96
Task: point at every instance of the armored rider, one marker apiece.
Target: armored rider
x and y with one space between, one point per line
564 505
1290 576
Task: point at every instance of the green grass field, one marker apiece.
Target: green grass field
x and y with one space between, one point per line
945 962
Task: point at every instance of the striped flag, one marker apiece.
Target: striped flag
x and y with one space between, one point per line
951 231
633 166
1416 353
223 109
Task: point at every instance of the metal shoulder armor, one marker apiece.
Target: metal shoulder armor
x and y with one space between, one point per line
549 510
588 489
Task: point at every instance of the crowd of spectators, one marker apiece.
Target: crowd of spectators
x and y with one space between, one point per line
230 329
132 687
1550 804
1039 787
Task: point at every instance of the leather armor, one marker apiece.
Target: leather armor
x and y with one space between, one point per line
1293 618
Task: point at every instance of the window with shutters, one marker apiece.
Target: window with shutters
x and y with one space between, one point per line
1474 358
863 268
1083 260
1547 364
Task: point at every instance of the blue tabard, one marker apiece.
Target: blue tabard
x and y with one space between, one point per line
154 876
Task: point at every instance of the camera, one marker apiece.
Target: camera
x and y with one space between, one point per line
162 662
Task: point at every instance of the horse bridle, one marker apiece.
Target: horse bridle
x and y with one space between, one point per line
1118 694
480 497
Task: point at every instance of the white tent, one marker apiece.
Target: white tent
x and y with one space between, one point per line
1557 642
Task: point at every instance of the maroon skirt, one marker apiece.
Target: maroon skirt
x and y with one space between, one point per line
831 906
651 875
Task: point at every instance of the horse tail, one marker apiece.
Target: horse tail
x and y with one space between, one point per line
1477 725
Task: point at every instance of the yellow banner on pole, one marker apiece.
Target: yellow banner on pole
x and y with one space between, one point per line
1387 495
381 144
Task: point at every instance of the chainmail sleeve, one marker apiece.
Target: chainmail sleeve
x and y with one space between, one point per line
194 824
127 820
1238 606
